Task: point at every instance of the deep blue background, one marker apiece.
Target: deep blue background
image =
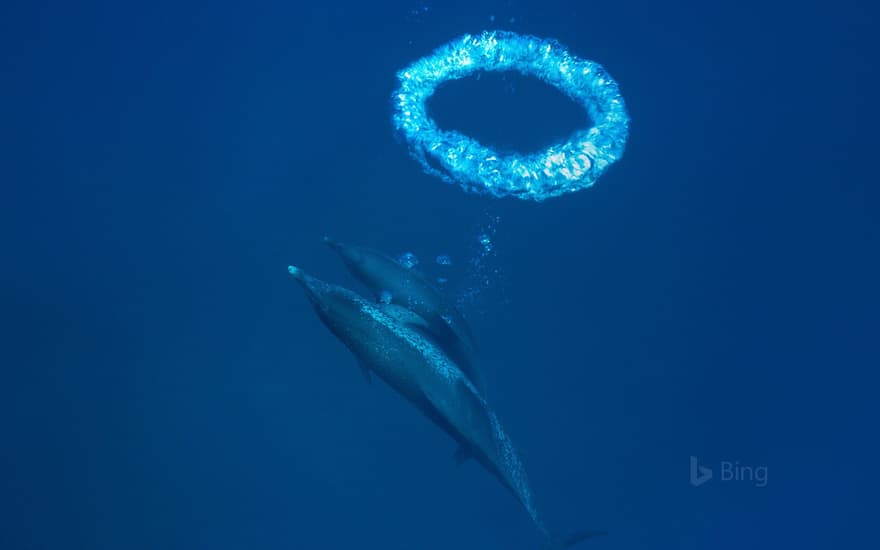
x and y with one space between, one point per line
164 384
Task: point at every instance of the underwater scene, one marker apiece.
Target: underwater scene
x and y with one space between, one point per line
427 275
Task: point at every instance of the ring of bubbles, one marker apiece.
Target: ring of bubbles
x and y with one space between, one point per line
457 158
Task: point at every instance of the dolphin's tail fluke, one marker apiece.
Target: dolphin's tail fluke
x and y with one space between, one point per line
572 539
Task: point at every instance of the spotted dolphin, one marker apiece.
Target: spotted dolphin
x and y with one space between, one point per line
418 369
388 278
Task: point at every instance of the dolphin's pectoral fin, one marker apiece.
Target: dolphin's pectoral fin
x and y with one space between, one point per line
366 370
462 454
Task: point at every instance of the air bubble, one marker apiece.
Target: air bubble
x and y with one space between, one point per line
408 260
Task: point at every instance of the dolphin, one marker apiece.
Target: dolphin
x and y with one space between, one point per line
383 339
386 277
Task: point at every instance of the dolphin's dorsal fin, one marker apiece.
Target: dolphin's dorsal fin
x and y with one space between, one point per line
404 316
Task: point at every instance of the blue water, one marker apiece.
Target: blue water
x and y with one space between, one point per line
165 384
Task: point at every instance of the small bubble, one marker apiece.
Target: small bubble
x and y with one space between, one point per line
485 241
442 280
385 297
444 259
408 260
418 14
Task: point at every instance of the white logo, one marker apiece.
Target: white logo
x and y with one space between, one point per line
699 474
730 471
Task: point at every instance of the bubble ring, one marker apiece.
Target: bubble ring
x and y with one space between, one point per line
457 158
